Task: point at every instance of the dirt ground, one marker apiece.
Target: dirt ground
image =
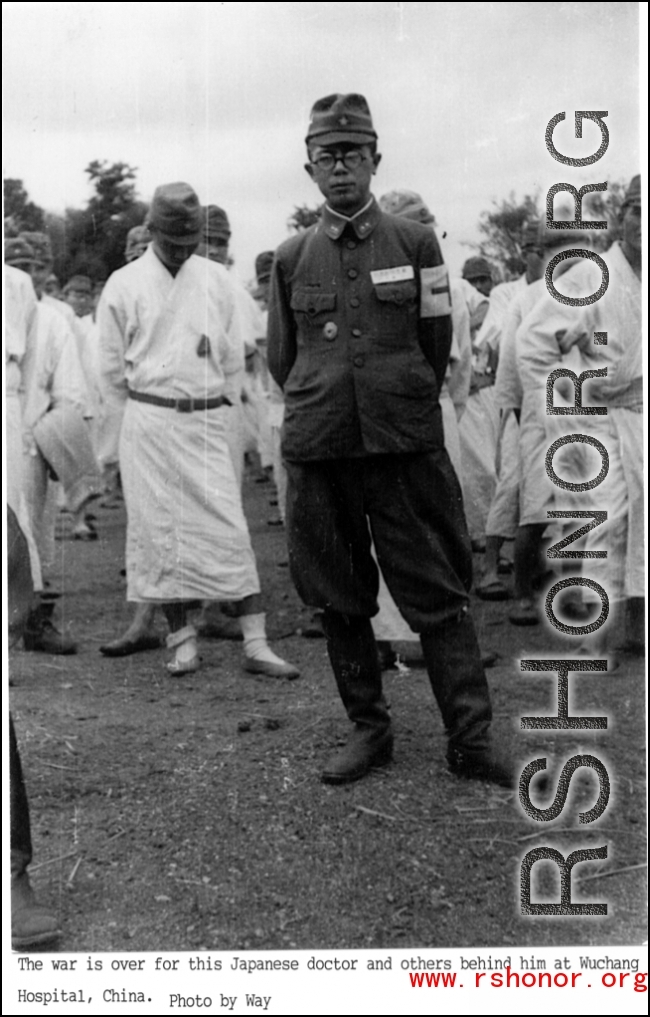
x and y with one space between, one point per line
187 814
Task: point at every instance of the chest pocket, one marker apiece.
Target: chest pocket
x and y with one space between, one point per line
314 313
312 303
396 313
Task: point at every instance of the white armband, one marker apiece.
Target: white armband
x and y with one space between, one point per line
436 298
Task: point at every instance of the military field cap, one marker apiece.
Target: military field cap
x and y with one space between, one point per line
263 266
40 244
11 228
215 224
407 204
176 214
213 250
78 284
338 118
547 238
18 252
475 268
633 193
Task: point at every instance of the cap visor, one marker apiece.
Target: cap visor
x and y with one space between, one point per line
338 137
187 240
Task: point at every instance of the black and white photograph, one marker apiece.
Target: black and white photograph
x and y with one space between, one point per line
325 506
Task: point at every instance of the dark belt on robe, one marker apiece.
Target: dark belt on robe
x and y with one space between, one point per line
180 405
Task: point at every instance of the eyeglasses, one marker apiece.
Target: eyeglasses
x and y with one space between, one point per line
351 160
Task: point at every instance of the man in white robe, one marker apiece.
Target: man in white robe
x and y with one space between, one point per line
57 435
55 440
503 514
20 309
76 364
171 354
20 320
242 417
274 395
537 353
618 313
479 426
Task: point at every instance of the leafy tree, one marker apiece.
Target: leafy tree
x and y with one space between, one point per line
605 205
303 217
114 188
502 229
502 226
25 214
95 237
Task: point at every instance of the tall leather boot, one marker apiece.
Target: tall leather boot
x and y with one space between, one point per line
31 924
453 660
353 655
40 632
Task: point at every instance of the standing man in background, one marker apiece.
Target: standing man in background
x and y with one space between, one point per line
172 346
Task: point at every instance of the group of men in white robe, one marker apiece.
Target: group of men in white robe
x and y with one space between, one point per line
534 334
497 430
603 335
496 426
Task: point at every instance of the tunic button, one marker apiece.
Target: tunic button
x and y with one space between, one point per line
356 332
359 361
354 302
330 331
352 273
351 245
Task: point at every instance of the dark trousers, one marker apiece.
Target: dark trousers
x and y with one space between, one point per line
412 506
21 841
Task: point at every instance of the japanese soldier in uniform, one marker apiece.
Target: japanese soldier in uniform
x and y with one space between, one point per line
359 338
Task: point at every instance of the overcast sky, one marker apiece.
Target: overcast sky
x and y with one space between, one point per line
218 94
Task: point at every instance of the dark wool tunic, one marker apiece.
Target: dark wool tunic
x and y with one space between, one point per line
359 336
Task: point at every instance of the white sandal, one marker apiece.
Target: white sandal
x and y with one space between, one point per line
189 662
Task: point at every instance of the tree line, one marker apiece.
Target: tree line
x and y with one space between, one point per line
88 241
91 241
